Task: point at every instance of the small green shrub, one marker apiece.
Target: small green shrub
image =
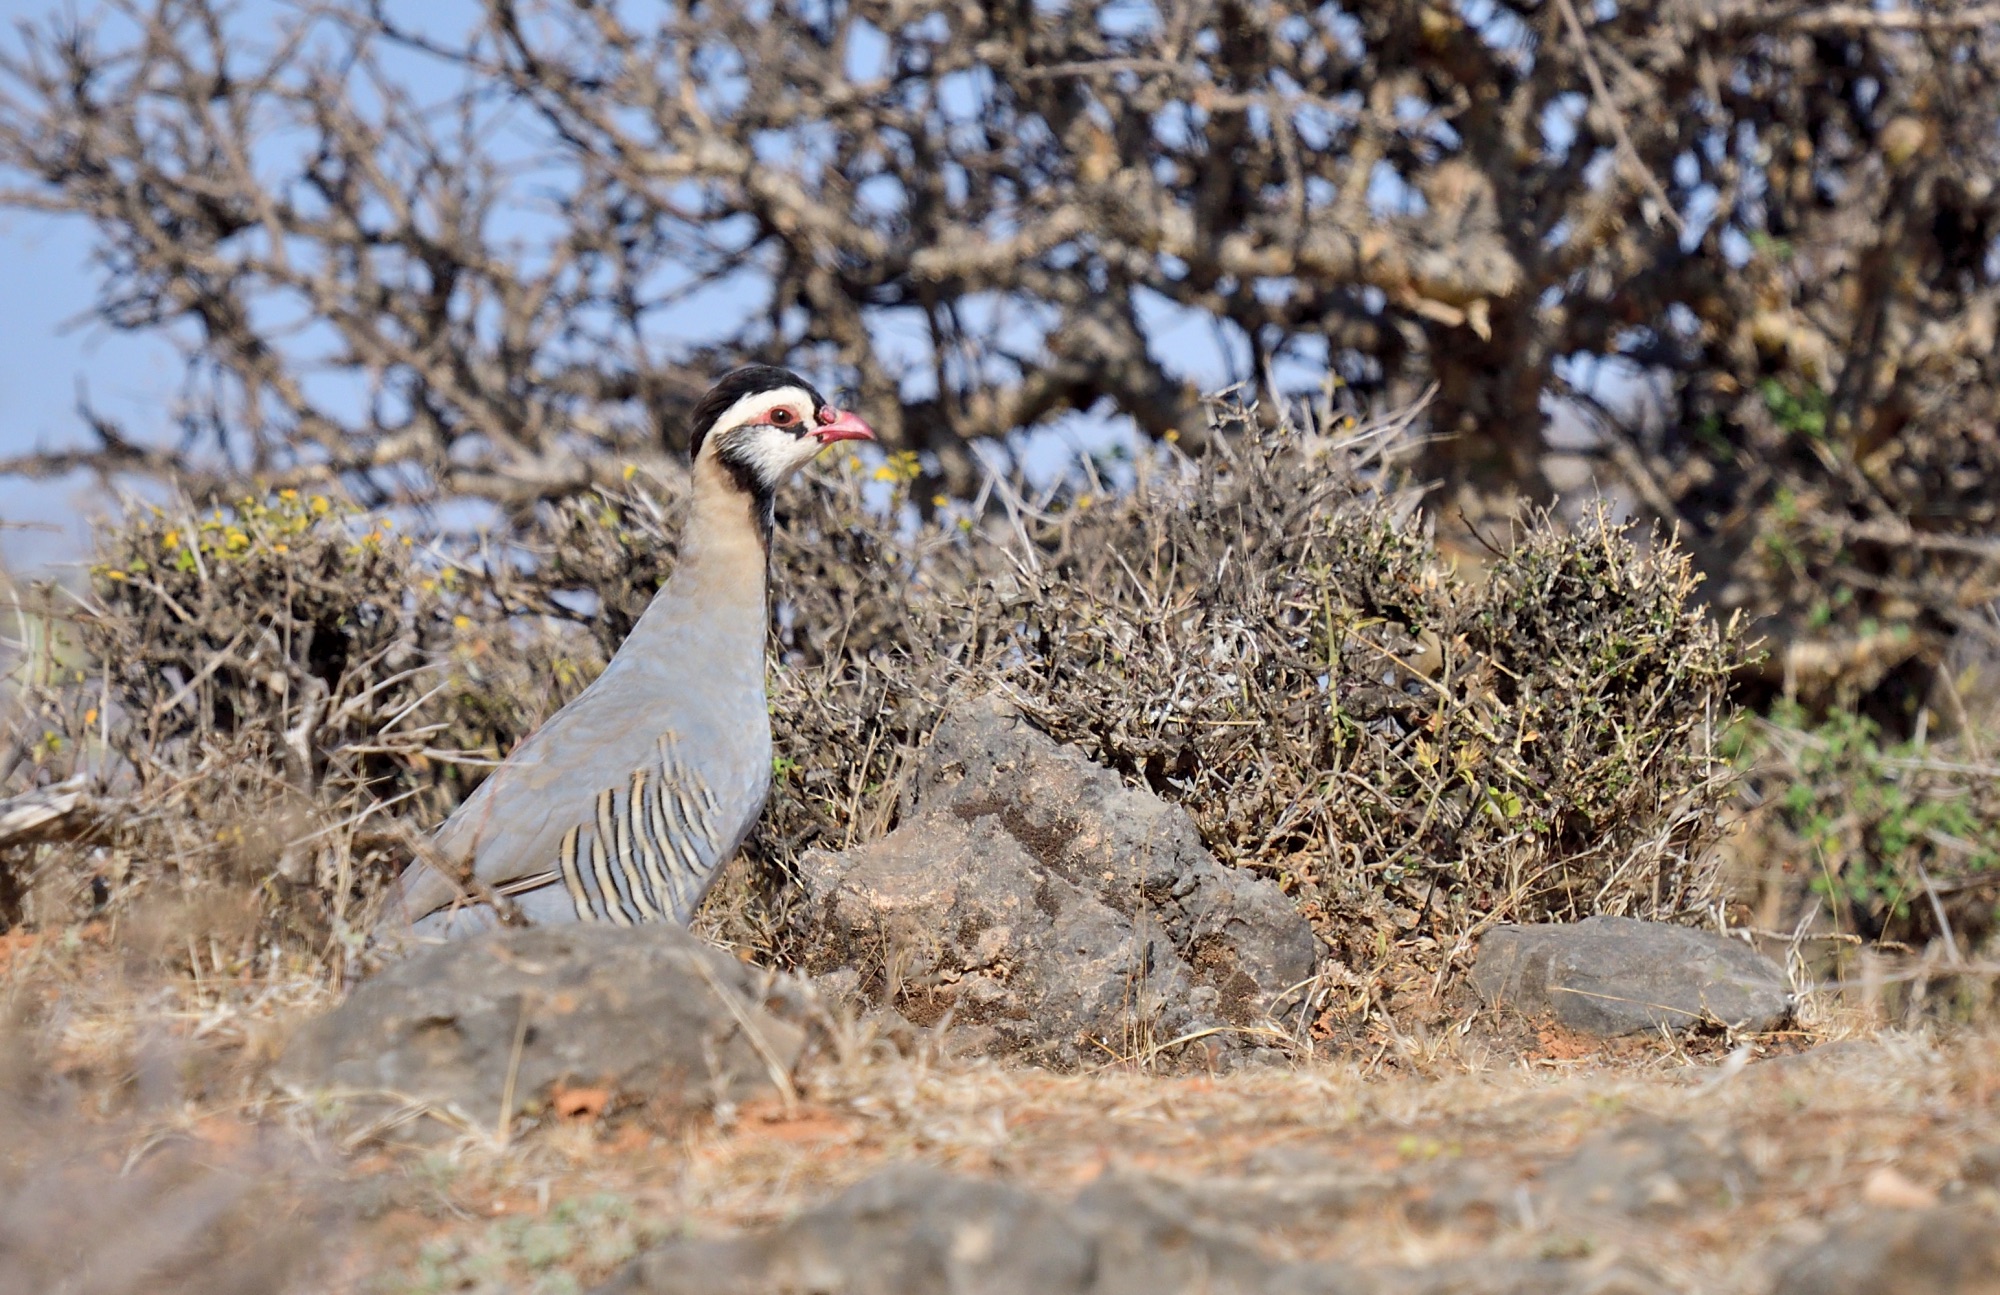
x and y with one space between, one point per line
551 1254
1896 838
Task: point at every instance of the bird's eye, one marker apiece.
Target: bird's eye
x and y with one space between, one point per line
783 417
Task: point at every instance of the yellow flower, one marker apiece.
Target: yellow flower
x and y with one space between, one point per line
903 465
281 548
171 540
461 621
630 469
319 505
288 495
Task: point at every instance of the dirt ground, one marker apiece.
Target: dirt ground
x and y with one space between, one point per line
1708 1165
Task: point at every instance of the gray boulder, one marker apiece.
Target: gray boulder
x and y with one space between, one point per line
913 1230
1948 1250
907 1230
1056 913
1655 1169
506 1019
1617 975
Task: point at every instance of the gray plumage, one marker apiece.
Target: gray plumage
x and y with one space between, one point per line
625 804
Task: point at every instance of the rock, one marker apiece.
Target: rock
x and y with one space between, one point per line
1651 1169
1616 975
909 1229
913 1230
1890 1190
917 1231
1607 1276
642 1015
1063 916
1952 1250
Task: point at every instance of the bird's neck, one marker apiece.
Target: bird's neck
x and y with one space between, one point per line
718 587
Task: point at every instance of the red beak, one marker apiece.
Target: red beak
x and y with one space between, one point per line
840 425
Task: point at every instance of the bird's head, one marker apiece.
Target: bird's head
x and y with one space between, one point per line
762 423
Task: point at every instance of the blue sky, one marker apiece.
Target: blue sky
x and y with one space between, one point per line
46 284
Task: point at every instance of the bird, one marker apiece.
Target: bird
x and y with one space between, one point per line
624 805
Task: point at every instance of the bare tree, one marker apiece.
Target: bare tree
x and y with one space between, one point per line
513 247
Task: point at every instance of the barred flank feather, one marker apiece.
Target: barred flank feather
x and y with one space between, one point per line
650 851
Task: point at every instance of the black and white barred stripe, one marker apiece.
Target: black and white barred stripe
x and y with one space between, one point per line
649 850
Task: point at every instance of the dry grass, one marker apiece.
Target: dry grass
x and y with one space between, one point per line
1366 1152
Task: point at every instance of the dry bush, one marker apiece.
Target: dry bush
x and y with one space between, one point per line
266 681
1414 756
1265 635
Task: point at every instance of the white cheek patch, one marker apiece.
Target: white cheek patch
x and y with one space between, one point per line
770 453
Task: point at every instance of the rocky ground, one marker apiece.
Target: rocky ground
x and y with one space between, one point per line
1054 1047
1495 1156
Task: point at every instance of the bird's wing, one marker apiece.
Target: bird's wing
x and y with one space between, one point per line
602 792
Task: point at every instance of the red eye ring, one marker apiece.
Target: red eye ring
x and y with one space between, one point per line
782 416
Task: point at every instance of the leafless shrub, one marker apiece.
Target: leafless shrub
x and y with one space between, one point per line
269 684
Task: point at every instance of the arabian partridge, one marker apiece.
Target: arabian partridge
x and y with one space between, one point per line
625 804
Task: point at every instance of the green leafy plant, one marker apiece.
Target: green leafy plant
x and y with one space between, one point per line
1802 412
547 1254
1899 838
